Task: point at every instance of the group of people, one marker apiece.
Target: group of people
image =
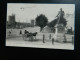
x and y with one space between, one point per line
19 33
24 32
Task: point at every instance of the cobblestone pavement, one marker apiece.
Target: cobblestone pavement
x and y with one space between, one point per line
16 40
19 42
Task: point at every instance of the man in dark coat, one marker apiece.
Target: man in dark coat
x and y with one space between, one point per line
20 32
26 32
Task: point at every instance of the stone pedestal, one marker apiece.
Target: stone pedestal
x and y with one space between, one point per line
59 33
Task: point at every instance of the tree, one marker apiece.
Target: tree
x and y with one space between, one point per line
54 22
41 21
59 20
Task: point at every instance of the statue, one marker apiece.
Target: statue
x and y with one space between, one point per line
60 15
59 27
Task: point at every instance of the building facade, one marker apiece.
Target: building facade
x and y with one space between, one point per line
32 23
12 22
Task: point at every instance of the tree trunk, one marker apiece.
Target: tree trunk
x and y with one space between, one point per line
41 29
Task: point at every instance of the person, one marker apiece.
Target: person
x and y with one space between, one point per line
25 32
9 33
20 32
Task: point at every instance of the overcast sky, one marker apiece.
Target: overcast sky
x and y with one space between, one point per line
26 11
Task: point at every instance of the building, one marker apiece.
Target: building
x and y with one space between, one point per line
22 25
12 21
32 23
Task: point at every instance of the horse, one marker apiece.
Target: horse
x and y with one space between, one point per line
34 34
30 35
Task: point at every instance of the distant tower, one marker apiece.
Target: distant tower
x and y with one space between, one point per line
32 23
12 20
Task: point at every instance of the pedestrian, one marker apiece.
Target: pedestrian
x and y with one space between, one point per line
9 33
25 32
20 32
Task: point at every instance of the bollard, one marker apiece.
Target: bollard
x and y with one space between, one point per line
52 40
72 40
50 36
65 40
43 38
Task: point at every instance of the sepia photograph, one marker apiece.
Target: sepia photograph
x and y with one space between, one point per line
50 26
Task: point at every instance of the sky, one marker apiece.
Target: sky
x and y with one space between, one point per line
25 12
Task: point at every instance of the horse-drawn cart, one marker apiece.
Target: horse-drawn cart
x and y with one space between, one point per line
29 36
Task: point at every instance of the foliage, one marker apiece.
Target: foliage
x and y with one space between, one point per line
54 22
41 21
